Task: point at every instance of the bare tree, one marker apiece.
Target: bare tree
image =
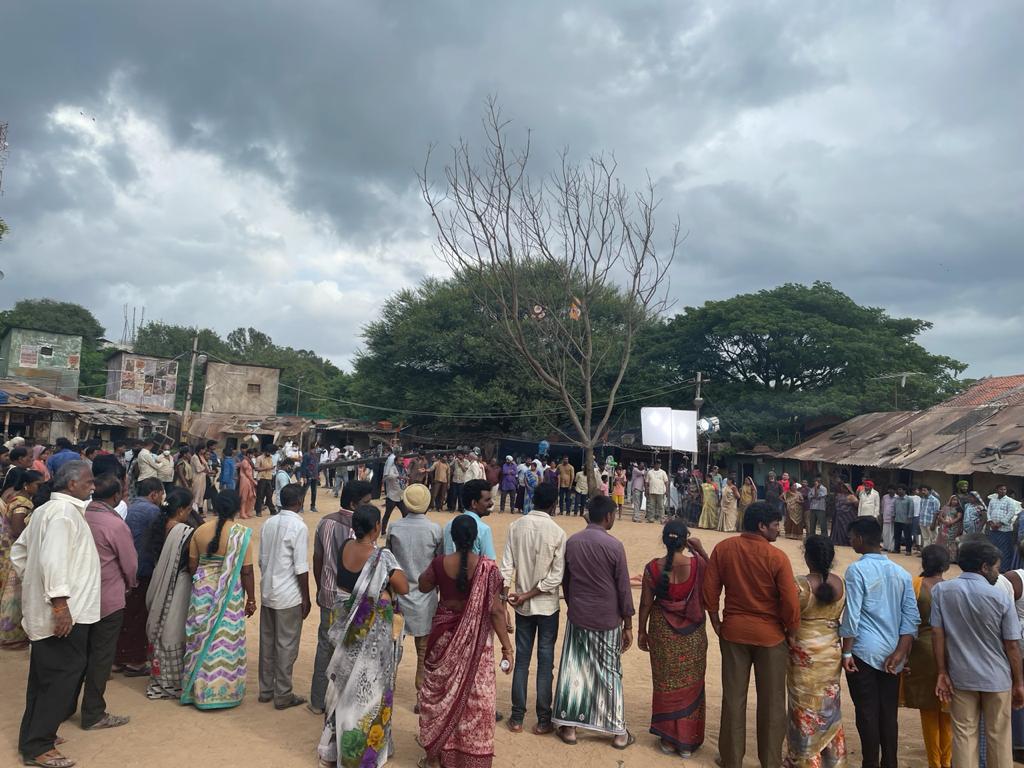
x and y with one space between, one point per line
565 266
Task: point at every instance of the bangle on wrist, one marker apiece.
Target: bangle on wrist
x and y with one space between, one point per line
847 655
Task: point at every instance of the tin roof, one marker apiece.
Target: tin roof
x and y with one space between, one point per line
1001 390
868 440
213 425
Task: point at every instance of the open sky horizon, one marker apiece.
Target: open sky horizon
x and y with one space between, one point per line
254 163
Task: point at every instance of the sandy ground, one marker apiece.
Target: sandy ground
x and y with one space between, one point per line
163 734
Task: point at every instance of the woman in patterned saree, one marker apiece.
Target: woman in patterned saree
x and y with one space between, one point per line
672 630
367 636
168 595
951 527
220 559
815 735
457 695
20 486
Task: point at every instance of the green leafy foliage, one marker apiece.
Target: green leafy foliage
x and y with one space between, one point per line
779 357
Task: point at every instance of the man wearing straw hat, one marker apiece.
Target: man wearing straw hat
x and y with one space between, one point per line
415 541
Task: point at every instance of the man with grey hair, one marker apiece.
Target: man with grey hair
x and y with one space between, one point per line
57 561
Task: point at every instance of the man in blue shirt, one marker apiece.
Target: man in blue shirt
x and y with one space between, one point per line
975 636
227 470
477 503
878 629
65 453
930 504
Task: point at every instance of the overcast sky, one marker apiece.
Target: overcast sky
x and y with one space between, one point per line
254 163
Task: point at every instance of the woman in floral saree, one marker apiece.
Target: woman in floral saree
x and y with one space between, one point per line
457 695
15 510
815 735
367 637
951 528
223 595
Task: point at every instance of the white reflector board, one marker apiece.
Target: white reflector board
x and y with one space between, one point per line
684 431
656 427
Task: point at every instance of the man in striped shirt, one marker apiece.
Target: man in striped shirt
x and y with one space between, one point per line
930 504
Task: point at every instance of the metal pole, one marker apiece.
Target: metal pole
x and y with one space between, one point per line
698 401
191 380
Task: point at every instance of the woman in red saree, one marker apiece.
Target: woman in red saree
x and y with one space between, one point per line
672 630
457 695
246 483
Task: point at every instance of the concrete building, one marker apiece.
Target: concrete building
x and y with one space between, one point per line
142 380
47 360
241 389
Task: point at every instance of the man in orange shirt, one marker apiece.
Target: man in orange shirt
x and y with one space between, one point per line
761 608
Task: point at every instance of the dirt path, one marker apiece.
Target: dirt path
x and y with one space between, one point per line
165 735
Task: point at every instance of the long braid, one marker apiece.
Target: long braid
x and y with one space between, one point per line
226 504
463 536
819 553
674 536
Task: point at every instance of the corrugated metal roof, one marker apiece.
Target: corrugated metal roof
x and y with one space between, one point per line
868 440
1004 390
212 425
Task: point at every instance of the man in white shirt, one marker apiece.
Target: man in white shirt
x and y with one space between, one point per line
284 589
282 478
657 487
532 568
915 502
149 463
869 503
60 571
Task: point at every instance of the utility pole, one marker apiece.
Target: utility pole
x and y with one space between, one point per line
698 401
191 380
298 395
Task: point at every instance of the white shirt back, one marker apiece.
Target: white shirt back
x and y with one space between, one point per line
284 542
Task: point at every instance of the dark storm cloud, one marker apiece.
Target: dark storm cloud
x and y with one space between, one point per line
237 146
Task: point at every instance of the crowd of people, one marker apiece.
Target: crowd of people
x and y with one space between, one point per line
108 563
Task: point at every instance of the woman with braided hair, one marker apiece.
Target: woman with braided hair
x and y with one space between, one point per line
220 561
457 695
815 732
672 630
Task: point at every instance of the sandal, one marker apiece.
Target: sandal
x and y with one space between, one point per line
513 726
294 701
51 759
136 671
109 721
565 740
630 741
543 729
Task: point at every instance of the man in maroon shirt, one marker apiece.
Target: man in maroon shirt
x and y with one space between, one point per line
762 607
118 567
598 631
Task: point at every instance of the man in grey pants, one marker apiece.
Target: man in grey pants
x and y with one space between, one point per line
284 588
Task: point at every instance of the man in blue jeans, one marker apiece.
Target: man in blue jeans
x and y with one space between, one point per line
532 568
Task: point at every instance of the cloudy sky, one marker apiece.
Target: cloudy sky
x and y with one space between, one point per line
254 163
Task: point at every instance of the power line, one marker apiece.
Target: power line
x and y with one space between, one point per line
657 391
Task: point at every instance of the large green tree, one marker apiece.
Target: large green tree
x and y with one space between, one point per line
64 317
778 357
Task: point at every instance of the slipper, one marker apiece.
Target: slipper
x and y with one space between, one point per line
140 672
294 701
630 741
543 729
57 760
564 739
514 727
59 740
314 710
109 721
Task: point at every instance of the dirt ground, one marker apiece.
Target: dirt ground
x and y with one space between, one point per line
163 734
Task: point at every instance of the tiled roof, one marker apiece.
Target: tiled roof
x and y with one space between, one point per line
1004 390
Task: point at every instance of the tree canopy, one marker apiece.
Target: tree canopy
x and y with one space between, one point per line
779 356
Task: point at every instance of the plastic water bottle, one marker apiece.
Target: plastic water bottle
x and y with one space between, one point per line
505 665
